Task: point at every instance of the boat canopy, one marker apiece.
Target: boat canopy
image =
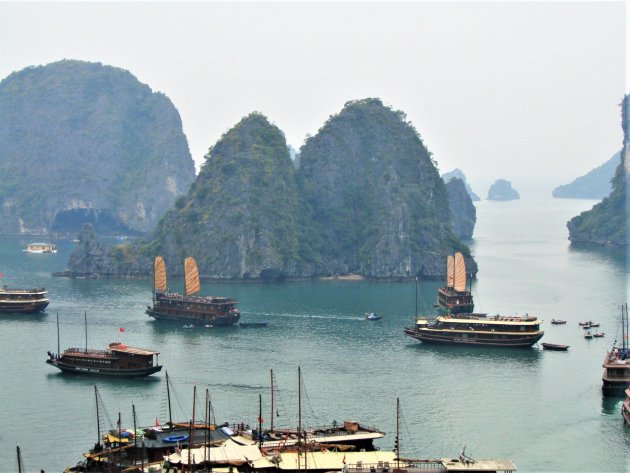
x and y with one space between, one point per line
191 276
159 281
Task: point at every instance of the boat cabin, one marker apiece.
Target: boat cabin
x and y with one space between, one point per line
41 248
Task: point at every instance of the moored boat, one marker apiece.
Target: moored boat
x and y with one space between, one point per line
188 307
558 322
118 360
372 316
555 346
454 297
616 376
478 330
23 301
588 335
39 248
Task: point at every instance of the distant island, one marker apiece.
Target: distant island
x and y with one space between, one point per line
366 200
502 189
595 184
607 222
459 174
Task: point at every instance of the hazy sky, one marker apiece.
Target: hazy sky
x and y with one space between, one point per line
523 91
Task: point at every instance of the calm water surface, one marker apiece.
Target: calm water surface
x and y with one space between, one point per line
544 410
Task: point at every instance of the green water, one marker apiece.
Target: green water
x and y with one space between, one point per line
543 410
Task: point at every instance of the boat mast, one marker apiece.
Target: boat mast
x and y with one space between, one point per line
397 440
19 460
260 419
416 297
299 442
58 349
85 320
271 400
192 422
98 418
205 432
135 437
168 397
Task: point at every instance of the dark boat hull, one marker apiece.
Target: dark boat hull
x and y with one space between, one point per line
448 337
216 320
26 307
555 347
99 371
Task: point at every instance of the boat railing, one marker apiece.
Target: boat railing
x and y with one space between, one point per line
89 351
21 291
428 466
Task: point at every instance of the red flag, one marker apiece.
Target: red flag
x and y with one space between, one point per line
122 329
344 460
157 424
261 420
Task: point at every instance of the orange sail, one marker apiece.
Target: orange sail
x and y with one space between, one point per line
159 275
191 276
460 273
450 267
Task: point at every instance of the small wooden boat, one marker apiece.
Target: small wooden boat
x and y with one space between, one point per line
599 334
554 346
594 324
585 323
588 335
372 316
558 321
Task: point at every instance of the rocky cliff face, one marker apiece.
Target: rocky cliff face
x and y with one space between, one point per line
82 142
502 190
366 199
378 204
462 210
607 222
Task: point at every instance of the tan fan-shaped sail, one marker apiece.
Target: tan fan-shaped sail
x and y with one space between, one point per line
191 276
159 281
450 268
460 273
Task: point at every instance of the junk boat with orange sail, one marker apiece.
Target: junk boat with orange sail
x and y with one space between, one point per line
188 307
454 297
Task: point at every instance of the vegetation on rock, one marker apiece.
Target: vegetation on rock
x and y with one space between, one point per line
84 142
607 222
502 189
463 211
459 174
595 184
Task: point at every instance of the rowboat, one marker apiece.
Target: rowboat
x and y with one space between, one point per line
554 346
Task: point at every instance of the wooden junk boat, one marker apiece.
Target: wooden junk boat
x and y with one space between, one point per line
188 307
478 330
454 297
24 301
616 376
118 360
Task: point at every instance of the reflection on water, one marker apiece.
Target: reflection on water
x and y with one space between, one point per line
603 254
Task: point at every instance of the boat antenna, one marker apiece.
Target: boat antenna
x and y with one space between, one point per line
58 349
98 418
85 320
271 371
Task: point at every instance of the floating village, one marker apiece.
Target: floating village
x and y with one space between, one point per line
198 443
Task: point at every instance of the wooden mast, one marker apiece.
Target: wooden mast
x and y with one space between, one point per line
135 437
192 422
19 460
260 419
271 427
